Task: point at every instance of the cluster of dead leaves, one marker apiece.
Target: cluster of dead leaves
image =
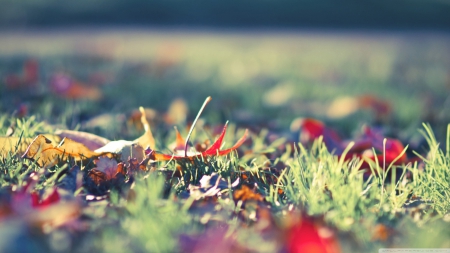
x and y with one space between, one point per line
50 149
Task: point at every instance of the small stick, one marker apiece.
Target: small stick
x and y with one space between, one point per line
193 124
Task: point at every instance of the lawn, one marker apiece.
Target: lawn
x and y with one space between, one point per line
346 148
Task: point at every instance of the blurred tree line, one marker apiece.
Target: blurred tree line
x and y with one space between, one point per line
328 14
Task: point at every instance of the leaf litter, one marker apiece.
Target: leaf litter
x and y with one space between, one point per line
211 189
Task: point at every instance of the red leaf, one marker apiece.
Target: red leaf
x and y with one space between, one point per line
305 237
385 154
212 151
37 201
312 129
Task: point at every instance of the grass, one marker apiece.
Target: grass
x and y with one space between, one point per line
151 214
156 210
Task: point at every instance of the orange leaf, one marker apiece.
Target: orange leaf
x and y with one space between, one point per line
245 194
381 233
179 144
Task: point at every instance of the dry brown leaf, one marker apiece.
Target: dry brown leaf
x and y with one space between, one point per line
108 166
97 176
46 154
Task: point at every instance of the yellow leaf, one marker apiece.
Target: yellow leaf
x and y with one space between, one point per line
9 144
46 154
146 139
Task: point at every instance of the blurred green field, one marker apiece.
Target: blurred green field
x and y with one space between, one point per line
270 75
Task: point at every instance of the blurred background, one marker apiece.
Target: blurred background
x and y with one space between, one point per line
264 62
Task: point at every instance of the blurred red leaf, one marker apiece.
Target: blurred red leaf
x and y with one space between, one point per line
65 86
38 201
28 78
391 152
304 236
311 129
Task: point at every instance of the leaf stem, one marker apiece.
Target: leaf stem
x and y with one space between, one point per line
195 122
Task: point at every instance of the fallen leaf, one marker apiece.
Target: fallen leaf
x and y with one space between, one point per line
213 150
46 154
97 176
124 149
65 86
245 193
305 236
133 149
381 233
28 78
11 144
147 139
380 107
342 107
134 118
91 141
345 106
387 152
38 201
311 129
107 166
